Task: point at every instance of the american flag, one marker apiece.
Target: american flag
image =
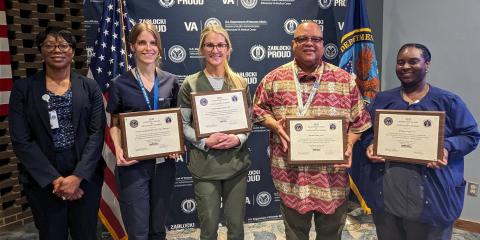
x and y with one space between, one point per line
111 58
358 58
5 67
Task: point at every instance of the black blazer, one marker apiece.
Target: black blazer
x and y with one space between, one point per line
31 133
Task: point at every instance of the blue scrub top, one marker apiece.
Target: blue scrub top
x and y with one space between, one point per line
125 94
415 192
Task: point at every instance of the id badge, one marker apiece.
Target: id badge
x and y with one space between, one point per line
53 119
159 160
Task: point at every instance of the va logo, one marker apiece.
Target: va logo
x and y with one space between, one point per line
212 21
249 4
166 3
388 121
324 4
331 51
298 127
263 199
427 123
177 53
188 205
203 102
257 53
134 123
290 25
190 26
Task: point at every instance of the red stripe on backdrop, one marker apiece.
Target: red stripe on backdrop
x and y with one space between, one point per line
2 5
3 31
112 220
4 58
6 84
3 109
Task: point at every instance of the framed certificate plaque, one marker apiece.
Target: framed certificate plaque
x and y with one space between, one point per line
220 111
318 140
152 134
409 136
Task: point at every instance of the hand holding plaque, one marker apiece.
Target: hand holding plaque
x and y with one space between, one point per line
409 136
220 111
152 134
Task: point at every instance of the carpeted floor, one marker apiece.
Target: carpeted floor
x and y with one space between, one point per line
359 226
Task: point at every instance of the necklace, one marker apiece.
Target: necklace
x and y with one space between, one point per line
415 99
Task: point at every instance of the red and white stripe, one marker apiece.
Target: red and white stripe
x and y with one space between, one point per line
109 212
5 67
109 206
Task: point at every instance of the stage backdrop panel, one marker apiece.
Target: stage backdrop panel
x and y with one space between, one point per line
261 32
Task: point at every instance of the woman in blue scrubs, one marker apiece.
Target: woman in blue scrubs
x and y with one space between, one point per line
146 186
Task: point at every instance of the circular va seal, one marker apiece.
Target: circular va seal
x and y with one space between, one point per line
290 25
298 127
249 4
331 51
166 3
388 121
134 123
264 199
177 53
203 102
188 205
168 119
324 4
257 53
333 126
212 22
427 123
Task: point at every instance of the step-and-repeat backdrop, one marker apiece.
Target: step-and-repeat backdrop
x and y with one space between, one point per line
261 32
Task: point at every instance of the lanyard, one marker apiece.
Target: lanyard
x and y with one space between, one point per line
145 96
302 108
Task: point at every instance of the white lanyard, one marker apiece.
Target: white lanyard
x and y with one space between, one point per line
302 109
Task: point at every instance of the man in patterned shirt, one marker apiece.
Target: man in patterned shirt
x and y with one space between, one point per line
323 90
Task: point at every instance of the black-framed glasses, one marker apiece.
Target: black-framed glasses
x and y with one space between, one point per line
211 46
49 47
305 39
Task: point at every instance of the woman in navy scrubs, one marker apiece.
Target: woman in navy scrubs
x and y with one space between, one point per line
145 186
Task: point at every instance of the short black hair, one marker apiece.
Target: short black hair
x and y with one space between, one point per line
427 56
56 32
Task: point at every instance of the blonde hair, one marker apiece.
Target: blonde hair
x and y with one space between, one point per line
146 27
231 78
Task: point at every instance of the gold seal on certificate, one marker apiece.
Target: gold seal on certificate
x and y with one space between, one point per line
318 140
152 134
409 136
220 111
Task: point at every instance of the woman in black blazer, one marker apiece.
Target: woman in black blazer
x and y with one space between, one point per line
57 126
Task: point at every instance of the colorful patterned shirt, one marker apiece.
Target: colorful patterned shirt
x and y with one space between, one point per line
320 188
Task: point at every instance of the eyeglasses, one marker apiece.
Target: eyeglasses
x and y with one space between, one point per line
64 47
305 39
211 46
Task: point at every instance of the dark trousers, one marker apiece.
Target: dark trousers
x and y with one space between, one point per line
54 217
145 192
209 194
327 226
391 227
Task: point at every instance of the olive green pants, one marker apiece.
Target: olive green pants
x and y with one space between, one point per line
209 195
327 226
